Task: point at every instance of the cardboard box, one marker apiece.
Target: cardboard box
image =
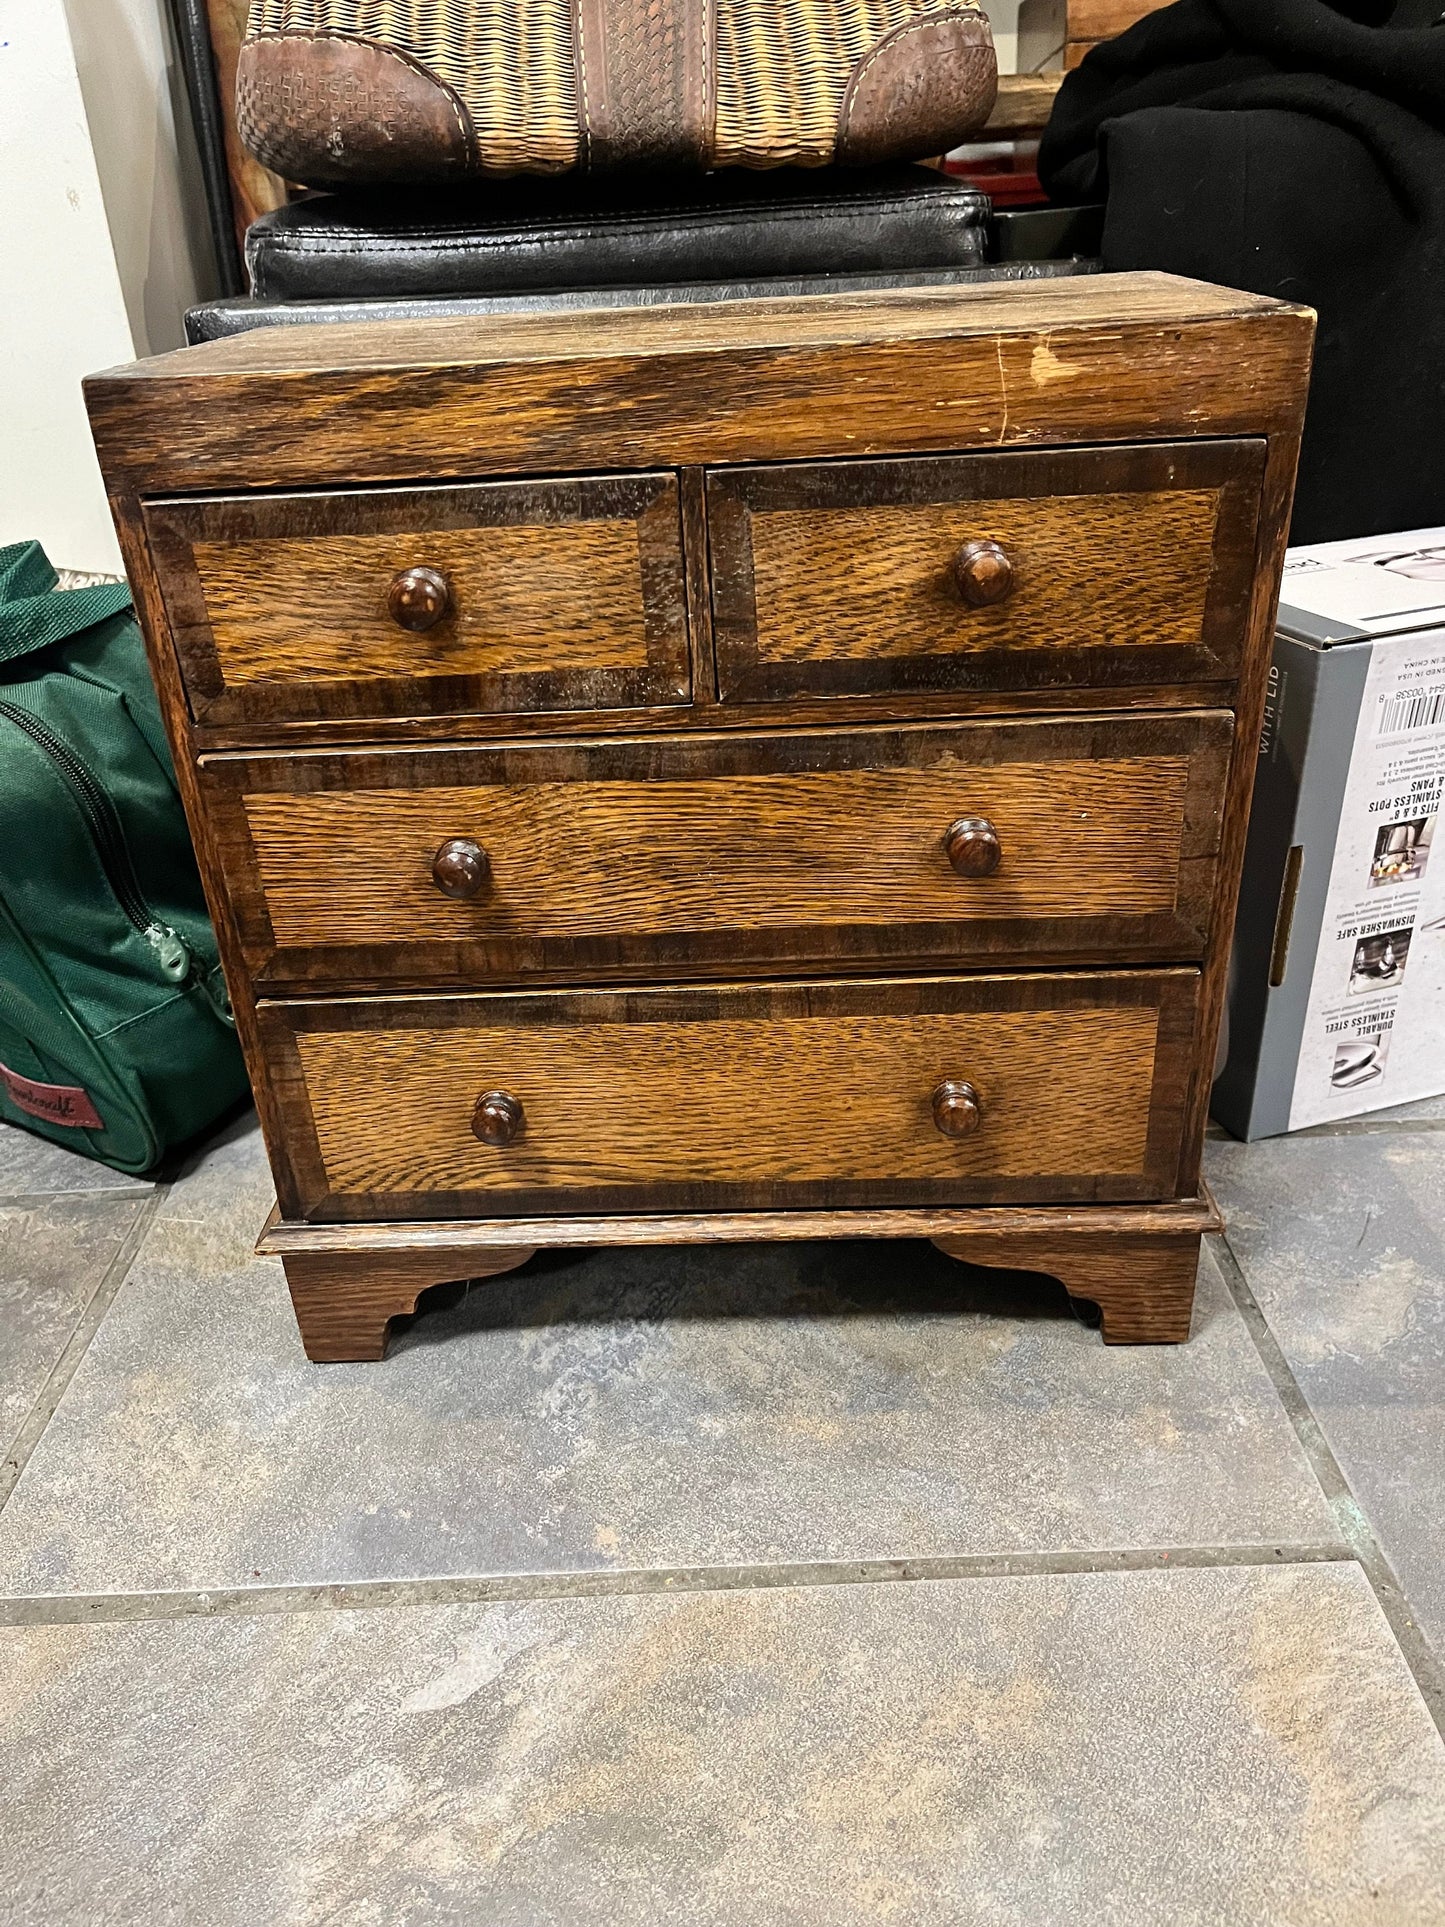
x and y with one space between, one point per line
1337 984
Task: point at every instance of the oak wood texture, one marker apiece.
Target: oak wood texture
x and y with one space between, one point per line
345 1302
1088 22
1103 19
1132 1261
1023 106
558 594
465 1236
707 852
796 1096
1143 1284
1134 370
1113 358
1124 565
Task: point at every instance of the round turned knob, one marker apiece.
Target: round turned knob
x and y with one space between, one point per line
460 868
957 1108
972 846
419 598
983 573
498 1118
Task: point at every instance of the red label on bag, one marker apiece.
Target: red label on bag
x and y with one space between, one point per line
54 1103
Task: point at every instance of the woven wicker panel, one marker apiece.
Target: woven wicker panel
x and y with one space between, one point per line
508 61
780 68
783 68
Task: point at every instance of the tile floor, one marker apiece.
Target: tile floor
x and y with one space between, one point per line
809 1585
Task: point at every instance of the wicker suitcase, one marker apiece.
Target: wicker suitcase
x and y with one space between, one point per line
337 91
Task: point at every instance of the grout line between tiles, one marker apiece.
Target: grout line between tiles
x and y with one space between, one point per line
101 1299
110 1608
35 1200
1355 1529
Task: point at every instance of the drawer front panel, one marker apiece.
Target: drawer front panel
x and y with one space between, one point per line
540 595
813 1095
1118 568
717 851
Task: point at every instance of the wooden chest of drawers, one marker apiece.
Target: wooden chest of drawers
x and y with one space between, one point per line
767 770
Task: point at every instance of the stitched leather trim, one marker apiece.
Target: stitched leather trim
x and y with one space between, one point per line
330 108
923 89
643 82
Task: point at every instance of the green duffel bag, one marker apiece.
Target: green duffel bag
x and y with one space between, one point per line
116 1037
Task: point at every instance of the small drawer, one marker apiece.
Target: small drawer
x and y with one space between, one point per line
1112 568
1091 839
501 596
934 1091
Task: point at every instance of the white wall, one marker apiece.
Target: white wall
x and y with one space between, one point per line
1003 17
140 128
99 255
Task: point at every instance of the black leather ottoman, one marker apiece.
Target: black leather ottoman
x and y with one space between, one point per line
524 244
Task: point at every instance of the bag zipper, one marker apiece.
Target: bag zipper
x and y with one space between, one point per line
177 961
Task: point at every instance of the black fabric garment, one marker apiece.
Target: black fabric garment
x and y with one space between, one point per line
1296 149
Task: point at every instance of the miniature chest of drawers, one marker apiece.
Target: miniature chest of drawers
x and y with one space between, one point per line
768 770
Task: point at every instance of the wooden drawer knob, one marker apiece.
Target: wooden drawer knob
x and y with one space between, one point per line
972 846
983 573
498 1118
419 598
460 868
957 1110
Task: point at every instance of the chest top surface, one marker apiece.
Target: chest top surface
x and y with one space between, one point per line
1103 358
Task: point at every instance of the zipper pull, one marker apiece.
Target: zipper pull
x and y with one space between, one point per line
172 951
215 987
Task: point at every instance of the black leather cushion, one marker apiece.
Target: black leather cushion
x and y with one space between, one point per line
526 235
237 316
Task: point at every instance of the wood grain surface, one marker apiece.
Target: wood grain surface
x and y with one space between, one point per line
854 584
1143 1284
1096 358
1128 564
1137 1263
565 594
721 850
1023 106
462 1238
1088 369
801 1095
345 1302
1103 19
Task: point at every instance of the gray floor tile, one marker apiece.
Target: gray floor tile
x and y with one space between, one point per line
628 1409
1340 1239
1202 1749
1426 1107
29 1165
53 1255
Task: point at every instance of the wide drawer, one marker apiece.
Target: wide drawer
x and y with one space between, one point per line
1113 568
817 1095
504 596
690 854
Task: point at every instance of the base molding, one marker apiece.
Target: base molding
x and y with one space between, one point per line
1135 1261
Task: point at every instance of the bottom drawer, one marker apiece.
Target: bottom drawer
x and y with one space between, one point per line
762 1097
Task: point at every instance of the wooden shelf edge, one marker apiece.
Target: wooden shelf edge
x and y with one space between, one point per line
1185 1217
1024 104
